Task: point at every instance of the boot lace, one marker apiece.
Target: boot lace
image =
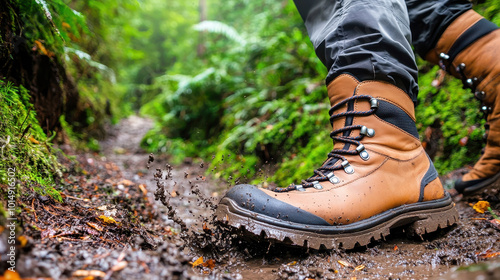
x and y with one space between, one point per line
326 171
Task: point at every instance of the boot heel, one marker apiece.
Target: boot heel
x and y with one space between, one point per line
432 220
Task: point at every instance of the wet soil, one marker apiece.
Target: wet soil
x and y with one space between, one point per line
121 220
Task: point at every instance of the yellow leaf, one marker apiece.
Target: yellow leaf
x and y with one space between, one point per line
23 240
345 263
359 267
292 263
198 262
11 275
108 220
41 47
481 206
33 140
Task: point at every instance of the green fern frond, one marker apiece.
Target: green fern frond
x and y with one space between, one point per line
87 58
220 28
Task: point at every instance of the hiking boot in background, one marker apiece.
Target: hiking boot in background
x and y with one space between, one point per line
469 49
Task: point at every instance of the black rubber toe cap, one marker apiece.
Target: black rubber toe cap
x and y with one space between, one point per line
251 198
469 187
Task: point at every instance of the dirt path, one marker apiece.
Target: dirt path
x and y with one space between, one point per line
146 243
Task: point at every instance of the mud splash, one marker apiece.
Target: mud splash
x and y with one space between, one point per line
400 255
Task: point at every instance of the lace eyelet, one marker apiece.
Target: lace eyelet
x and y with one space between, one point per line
444 56
317 185
332 178
480 95
460 67
373 103
362 152
365 131
300 188
485 109
347 167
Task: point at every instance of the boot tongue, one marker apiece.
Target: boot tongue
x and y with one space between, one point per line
340 89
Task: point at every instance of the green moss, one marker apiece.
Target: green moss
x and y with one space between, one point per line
24 145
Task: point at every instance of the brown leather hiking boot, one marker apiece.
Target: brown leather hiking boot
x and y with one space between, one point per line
469 49
377 177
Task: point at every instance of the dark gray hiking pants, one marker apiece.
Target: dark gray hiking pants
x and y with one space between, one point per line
371 39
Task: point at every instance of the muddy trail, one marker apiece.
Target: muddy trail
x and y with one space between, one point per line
120 219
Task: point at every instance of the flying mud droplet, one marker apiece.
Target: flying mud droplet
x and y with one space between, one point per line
150 160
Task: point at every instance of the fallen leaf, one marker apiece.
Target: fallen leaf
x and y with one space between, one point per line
292 263
205 227
345 263
126 183
488 255
143 189
86 273
119 266
360 267
33 140
210 264
396 247
108 220
41 47
198 262
481 206
11 275
23 240
173 194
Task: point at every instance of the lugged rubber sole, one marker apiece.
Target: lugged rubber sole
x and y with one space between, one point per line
417 219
